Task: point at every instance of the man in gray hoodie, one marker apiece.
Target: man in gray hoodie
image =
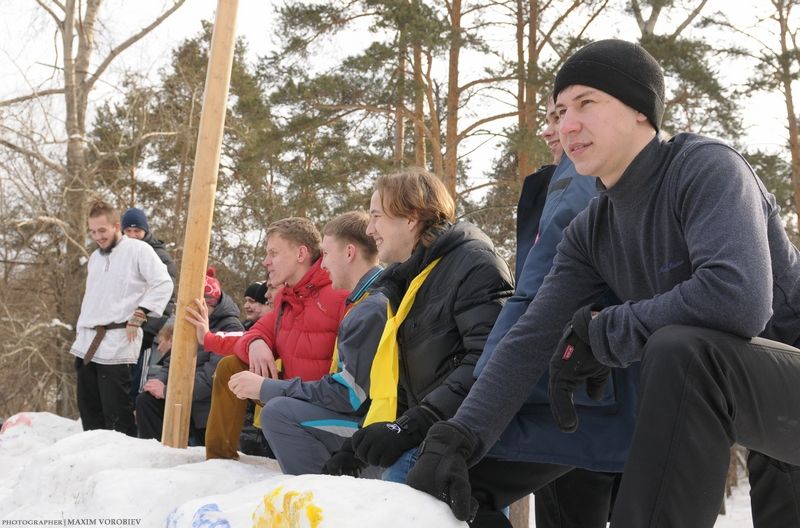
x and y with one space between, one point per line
686 236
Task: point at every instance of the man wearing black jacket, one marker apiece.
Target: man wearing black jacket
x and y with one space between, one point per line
134 225
445 286
223 317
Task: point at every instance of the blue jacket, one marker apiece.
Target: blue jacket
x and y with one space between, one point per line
532 435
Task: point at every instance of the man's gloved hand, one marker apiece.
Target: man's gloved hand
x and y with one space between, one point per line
441 469
382 443
344 462
135 322
572 364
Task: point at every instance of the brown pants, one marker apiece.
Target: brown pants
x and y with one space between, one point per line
226 418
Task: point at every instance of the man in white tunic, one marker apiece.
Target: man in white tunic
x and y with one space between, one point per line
126 283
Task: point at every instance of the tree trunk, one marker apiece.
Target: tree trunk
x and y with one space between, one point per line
75 188
523 161
453 97
420 156
436 131
532 87
399 116
787 78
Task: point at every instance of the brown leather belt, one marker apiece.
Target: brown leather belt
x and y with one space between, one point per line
98 337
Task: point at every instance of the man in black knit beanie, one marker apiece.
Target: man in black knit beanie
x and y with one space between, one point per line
709 315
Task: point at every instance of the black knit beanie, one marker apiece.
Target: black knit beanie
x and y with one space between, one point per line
623 70
257 291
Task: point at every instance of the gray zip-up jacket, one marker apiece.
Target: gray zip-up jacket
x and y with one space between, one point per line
347 390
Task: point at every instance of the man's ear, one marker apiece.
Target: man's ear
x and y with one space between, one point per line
302 254
413 222
351 252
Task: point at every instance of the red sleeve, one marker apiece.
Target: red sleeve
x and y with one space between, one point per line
221 343
264 329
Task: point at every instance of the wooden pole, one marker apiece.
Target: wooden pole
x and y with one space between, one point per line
198 223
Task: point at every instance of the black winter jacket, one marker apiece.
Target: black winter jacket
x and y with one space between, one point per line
154 324
445 331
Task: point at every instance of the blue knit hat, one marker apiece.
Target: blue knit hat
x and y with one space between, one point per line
134 217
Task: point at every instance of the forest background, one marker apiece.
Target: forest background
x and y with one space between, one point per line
325 95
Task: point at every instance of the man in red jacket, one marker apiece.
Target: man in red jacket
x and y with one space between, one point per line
300 331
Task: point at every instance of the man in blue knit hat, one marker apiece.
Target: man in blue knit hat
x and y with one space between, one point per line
134 225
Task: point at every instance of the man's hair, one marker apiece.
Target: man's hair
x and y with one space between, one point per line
99 208
167 330
299 231
416 192
351 227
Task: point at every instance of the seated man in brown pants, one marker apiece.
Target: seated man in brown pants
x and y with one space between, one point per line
300 331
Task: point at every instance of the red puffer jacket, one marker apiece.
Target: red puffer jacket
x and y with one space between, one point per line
306 319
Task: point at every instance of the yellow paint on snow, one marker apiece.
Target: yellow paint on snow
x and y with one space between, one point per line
292 509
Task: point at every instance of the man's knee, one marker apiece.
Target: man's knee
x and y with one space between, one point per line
675 347
144 402
276 412
227 367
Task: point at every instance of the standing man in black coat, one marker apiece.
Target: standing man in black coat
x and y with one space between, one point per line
134 225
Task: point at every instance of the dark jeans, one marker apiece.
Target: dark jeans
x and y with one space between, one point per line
774 491
150 419
103 396
573 498
701 391
579 499
497 484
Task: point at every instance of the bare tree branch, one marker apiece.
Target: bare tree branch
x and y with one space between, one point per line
463 88
55 166
483 121
683 25
129 42
464 192
62 225
50 11
34 95
637 14
556 24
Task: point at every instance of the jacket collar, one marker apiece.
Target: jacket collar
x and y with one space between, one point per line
363 285
638 180
309 285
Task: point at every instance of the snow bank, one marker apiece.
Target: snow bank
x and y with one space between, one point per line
55 473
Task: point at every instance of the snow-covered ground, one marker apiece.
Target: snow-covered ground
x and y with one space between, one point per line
54 474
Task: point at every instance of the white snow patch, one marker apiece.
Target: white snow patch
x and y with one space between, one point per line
56 473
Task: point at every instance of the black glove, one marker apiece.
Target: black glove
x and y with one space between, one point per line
382 443
344 462
572 364
441 469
